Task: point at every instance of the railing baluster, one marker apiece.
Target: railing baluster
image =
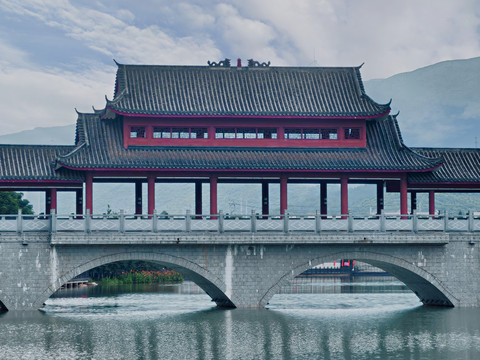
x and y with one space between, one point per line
88 218
188 221
383 227
350 221
53 221
445 221
253 220
318 222
285 222
122 221
155 221
470 220
19 221
220 222
414 221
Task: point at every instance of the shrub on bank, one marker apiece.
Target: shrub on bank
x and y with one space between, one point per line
143 277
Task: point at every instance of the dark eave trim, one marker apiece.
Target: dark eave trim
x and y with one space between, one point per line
273 116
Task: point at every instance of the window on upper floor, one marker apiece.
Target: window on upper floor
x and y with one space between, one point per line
162 133
198 133
328 134
352 133
266 133
293 134
311 134
137 132
179 133
245 133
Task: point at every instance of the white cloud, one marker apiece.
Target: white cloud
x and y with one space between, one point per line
111 35
390 36
32 97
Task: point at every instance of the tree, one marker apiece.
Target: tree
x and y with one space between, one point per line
11 201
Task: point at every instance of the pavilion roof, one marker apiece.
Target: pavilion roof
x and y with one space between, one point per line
34 162
102 148
458 165
327 92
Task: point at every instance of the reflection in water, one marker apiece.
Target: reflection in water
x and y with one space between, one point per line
318 320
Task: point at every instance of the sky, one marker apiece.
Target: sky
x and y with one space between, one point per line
57 55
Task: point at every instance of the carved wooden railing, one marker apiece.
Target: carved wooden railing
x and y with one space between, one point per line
224 223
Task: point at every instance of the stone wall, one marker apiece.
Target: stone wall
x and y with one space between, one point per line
242 270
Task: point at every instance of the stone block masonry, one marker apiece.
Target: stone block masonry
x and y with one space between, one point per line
242 270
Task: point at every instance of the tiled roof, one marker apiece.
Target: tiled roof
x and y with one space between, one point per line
459 165
272 91
33 162
384 152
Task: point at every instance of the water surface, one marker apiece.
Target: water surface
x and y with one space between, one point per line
309 319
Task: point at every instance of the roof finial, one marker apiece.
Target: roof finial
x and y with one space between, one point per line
222 63
253 63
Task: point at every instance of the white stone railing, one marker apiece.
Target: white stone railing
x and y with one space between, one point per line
224 223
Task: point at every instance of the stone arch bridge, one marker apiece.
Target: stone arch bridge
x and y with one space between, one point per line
241 269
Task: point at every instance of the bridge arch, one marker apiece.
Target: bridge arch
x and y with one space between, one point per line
210 283
424 284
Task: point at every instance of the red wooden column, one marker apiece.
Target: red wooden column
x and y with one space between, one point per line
323 198
89 192
79 201
265 198
413 201
198 198
283 194
403 195
431 202
151 193
138 197
380 198
344 195
213 195
50 200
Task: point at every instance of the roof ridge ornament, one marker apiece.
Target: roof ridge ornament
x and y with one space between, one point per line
222 63
253 63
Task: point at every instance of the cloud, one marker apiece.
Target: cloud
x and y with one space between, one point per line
30 98
116 36
390 36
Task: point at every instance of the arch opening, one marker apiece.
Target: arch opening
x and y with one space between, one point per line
424 285
3 308
208 282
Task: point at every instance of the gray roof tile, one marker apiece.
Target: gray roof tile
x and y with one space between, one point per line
273 91
458 165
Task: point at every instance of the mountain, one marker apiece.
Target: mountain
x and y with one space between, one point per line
439 104
55 135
